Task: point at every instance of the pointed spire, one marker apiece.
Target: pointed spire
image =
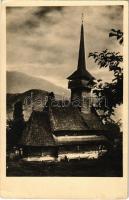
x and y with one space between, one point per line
81 72
81 58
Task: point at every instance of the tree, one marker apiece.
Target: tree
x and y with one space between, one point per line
113 91
17 125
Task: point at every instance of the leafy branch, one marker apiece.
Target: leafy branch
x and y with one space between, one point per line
118 34
112 92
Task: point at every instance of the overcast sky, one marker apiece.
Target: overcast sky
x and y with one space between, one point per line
44 41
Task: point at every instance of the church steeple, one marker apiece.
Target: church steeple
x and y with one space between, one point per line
80 81
81 58
81 72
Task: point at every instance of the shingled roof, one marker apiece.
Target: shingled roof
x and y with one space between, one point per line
67 118
71 119
43 125
81 74
93 121
38 131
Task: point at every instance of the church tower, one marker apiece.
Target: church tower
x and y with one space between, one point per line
80 81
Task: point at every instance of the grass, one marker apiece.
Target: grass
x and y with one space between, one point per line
106 167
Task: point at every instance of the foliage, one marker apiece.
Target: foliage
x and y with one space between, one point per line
118 34
110 94
16 126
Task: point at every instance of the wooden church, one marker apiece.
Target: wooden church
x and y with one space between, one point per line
71 127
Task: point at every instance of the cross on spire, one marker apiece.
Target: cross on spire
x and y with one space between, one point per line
82 17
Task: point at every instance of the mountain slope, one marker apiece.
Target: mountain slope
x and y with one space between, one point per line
31 99
18 82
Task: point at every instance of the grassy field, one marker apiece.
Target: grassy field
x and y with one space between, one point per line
83 168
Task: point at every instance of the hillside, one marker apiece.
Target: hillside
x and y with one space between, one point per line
18 82
35 99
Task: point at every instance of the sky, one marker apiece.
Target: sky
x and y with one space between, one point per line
44 41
